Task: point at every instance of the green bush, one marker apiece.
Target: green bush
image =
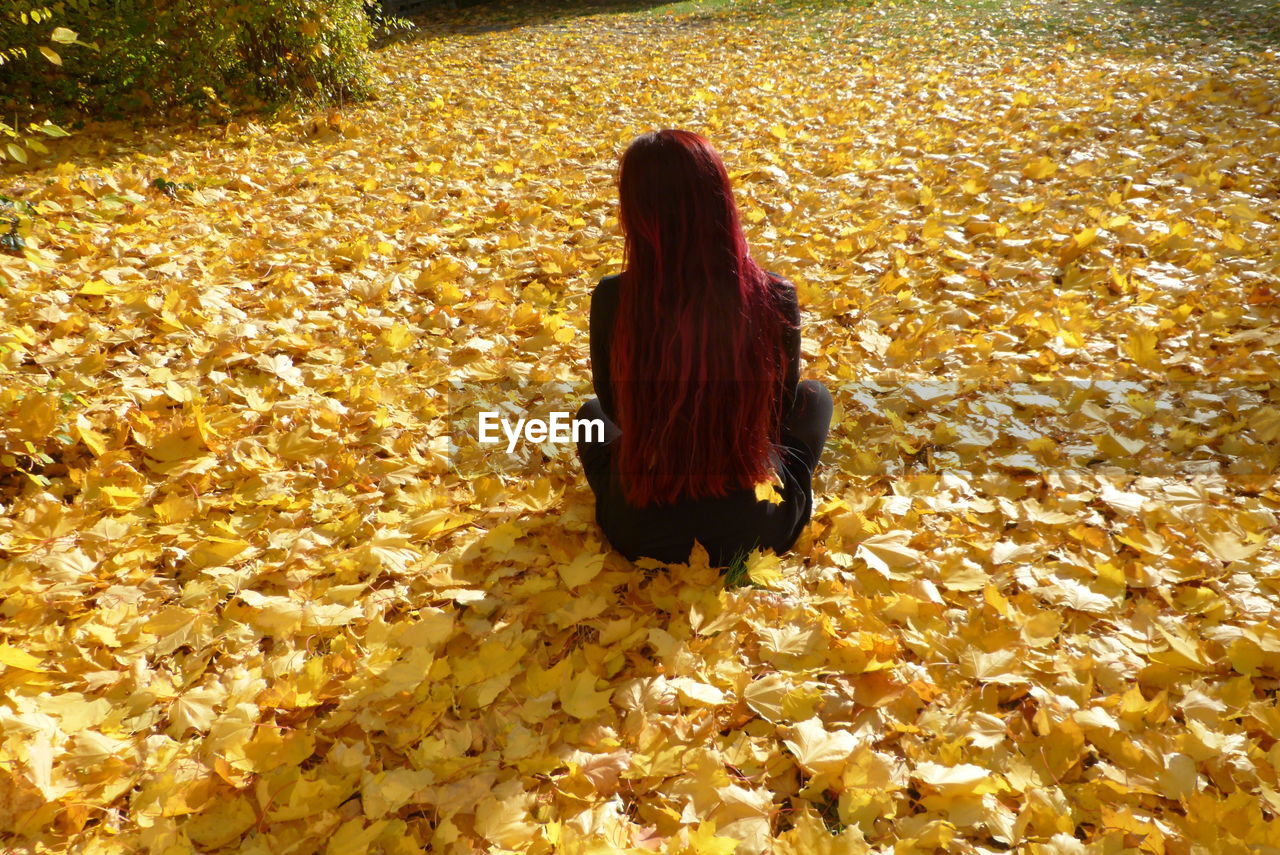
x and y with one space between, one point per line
147 54
31 38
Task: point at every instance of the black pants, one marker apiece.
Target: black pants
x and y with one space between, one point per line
727 527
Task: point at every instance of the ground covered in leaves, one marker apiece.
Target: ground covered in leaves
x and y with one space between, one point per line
259 593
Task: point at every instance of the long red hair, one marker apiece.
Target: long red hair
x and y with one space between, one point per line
697 361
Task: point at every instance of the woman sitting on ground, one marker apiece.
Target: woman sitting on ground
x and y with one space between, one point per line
695 360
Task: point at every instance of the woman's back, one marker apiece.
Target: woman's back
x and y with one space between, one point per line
666 531
695 358
604 312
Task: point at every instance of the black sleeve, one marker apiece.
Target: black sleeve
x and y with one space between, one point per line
790 306
604 308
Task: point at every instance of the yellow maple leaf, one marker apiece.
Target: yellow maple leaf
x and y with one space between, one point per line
579 698
818 750
1041 167
703 840
12 657
764 568
1141 347
808 835
584 567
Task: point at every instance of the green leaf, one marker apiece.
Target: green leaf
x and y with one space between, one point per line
63 36
49 129
16 152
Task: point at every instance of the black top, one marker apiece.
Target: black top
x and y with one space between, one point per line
604 309
727 526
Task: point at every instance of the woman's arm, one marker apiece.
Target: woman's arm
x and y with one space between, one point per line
604 308
790 307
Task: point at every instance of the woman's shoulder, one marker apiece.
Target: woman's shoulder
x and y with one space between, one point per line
607 285
784 291
780 282
604 297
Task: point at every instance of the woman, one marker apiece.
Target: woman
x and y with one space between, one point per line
695 359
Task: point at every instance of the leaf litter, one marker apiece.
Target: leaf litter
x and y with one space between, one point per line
259 594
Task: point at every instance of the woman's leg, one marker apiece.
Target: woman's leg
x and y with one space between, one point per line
594 453
810 416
